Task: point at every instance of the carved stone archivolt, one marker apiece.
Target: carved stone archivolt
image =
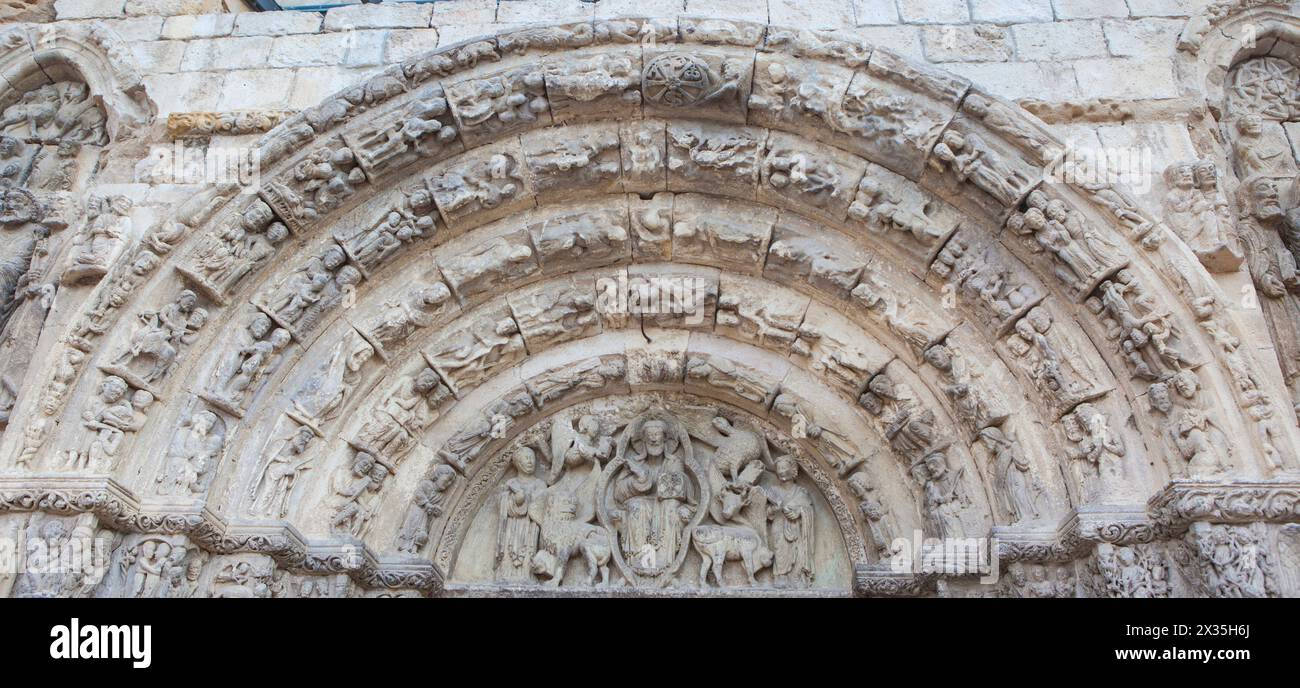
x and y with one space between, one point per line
740 310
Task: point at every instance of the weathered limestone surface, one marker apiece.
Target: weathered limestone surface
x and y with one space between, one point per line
419 299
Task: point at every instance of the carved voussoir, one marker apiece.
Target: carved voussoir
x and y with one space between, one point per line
489 106
422 130
574 160
704 82
601 84
819 183
316 185
966 155
485 184
711 231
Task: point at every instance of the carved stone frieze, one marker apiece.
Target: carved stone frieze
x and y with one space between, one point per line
181 125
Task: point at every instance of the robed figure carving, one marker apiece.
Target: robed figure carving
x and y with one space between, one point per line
651 496
517 531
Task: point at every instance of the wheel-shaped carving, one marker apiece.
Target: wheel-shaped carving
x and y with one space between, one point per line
677 80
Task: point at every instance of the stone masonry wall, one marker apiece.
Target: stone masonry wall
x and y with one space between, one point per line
197 58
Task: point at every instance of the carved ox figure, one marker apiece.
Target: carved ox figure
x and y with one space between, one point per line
719 544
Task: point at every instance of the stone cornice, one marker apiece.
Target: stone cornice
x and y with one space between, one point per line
118 509
202 124
881 581
1167 515
1182 502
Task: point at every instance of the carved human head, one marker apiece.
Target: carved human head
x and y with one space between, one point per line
1040 318
256 216
362 463
442 476
202 422
425 381
186 301
883 385
860 484
434 294
280 338
1015 223
332 258
145 263
870 188
1037 199
787 468
939 356
112 389
348 276
1180 175
53 531
140 399
1206 174
1087 414
301 438
589 426
1187 384
654 433
1035 219
420 200
1250 124
277 232
1262 198
260 325
1158 396
936 464
525 461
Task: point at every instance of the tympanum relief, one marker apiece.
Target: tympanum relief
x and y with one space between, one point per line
642 495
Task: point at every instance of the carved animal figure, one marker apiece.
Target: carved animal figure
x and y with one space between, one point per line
563 535
720 544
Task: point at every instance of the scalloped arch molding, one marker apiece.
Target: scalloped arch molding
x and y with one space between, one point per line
872 267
